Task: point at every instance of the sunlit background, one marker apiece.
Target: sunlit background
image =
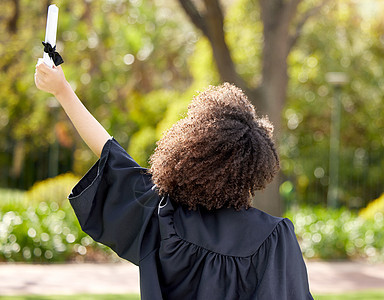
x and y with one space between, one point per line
136 65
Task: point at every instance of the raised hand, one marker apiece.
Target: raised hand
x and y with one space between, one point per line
51 80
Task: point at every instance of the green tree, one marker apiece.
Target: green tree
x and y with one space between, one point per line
345 40
114 52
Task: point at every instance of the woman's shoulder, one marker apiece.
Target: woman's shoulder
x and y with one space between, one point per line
225 231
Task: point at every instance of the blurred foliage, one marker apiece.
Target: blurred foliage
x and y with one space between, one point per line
374 210
114 52
244 31
40 226
338 234
52 190
344 40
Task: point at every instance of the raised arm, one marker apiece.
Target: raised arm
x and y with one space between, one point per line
52 80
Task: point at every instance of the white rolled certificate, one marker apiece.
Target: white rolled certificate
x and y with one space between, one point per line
50 31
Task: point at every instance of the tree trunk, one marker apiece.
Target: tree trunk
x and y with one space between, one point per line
273 89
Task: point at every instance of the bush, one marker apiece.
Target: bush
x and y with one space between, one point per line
374 210
40 226
337 234
53 190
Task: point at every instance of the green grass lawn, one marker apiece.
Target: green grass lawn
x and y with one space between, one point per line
367 295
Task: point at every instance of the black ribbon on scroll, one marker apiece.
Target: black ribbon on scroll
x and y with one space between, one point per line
57 59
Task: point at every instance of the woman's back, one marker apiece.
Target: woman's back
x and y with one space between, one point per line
229 254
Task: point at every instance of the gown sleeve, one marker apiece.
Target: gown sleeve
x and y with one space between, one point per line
280 265
116 204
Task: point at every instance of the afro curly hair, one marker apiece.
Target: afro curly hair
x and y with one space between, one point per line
218 155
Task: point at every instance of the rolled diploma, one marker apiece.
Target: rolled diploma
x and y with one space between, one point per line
50 31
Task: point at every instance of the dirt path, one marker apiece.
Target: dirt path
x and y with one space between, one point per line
324 277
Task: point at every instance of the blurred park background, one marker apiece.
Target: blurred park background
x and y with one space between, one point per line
314 66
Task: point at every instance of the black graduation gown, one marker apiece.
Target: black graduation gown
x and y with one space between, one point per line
186 254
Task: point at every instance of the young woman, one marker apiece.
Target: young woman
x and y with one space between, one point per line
188 222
